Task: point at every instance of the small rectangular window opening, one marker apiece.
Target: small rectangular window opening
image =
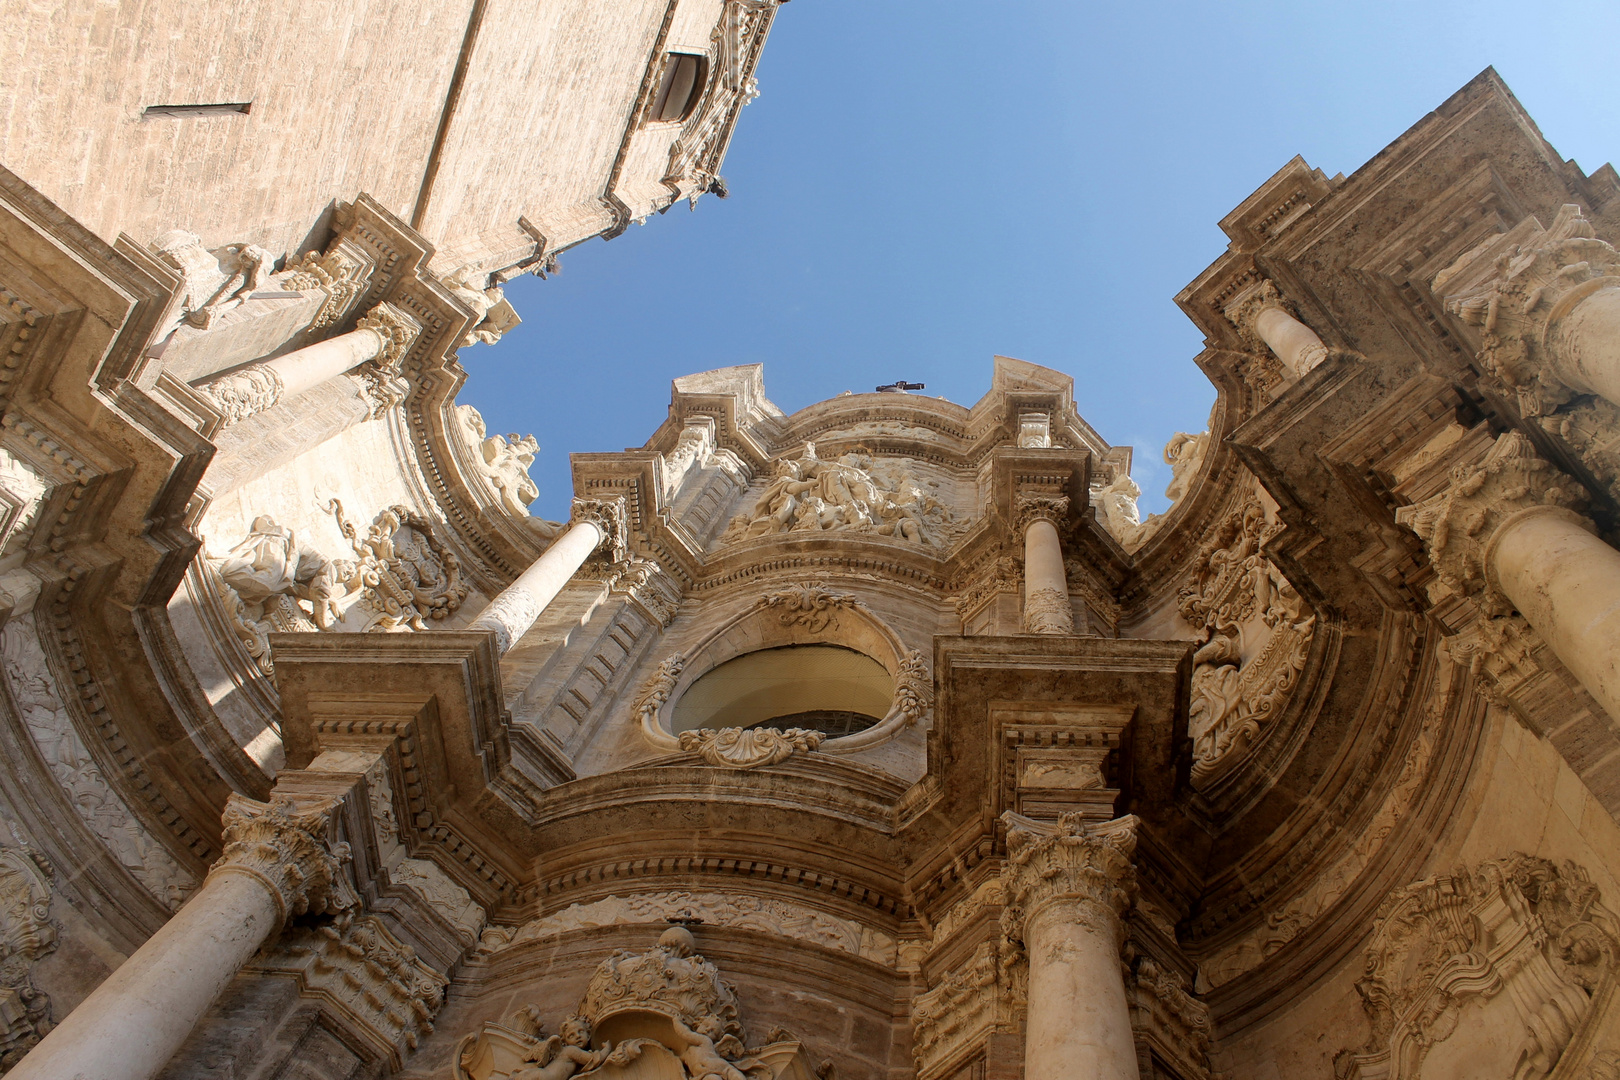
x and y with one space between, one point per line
178 111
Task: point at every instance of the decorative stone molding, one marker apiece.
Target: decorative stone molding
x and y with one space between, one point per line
1534 284
655 693
285 846
1048 611
245 393
1167 1014
1034 431
1458 523
856 493
748 748
1004 573
1452 944
811 605
1257 638
765 914
366 973
26 934
694 158
33 688
1086 862
960 1008
493 313
1031 507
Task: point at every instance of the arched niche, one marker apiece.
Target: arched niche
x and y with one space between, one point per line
799 616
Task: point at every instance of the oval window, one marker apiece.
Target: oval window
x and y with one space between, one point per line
825 688
684 77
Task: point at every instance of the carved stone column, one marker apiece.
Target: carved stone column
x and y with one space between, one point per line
1265 314
1550 314
1046 584
277 864
596 522
1067 891
1503 533
385 335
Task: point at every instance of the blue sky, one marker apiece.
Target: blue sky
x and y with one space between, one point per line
922 186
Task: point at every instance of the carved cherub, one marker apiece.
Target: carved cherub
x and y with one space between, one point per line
562 1055
701 1057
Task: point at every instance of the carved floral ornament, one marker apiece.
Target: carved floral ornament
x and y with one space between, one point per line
27 934
1519 946
662 1014
1257 635
401 578
807 609
284 844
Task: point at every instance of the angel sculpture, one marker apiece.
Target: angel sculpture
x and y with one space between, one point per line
561 1056
701 1056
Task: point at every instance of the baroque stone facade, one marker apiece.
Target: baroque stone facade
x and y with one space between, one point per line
882 739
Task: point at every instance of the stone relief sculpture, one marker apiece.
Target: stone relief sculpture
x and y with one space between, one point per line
26 934
675 1018
1257 635
811 605
400 578
1509 955
212 282
853 493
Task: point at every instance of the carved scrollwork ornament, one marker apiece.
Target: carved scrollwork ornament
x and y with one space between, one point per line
27 934
811 605
645 582
333 272
913 687
749 748
1521 924
284 844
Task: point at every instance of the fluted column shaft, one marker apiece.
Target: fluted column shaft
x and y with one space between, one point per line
1566 583
276 864
1585 344
1046 584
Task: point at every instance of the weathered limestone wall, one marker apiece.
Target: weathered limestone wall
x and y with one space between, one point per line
1521 798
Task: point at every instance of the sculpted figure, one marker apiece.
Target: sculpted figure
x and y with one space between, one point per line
562 1055
495 315
702 1060
212 282
271 562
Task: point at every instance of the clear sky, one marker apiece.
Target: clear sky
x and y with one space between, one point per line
923 185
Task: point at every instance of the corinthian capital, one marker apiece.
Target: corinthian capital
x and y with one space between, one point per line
1458 523
612 518
1520 308
284 844
1030 507
397 330
1085 863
